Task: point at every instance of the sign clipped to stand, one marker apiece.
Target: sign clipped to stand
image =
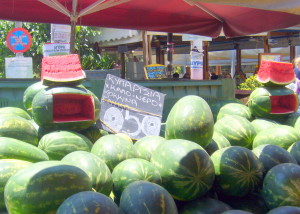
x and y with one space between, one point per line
18 40
155 71
130 108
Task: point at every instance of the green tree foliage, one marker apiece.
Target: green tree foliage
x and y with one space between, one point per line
90 59
250 83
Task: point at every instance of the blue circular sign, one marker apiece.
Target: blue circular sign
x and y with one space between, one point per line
18 40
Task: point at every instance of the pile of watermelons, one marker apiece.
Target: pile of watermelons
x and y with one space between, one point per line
210 158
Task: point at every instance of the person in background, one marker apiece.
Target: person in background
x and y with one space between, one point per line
187 74
228 76
214 76
297 73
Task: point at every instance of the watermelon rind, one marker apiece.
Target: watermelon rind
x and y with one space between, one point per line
42 187
186 169
285 210
88 202
281 186
42 109
235 109
94 167
146 197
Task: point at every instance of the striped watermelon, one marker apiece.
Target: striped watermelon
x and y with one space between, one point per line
94 167
113 149
146 197
29 94
294 150
260 124
203 205
273 102
18 128
280 135
238 171
14 111
190 119
218 142
42 187
15 149
146 145
185 167
293 120
65 108
131 170
8 167
285 210
62 70
272 155
235 109
236 212
281 186
93 133
276 73
88 202
58 144
237 130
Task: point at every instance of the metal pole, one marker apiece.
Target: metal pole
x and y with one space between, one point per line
170 50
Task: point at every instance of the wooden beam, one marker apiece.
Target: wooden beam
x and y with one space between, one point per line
205 60
292 53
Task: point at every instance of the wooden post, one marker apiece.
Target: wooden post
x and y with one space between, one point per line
170 54
238 67
266 44
205 61
73 37
145 47
157 51
292 52
122 58
149 49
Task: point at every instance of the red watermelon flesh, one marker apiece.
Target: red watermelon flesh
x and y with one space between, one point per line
284 104
279 73
72 107
63 68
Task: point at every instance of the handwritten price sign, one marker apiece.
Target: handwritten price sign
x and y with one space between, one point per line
129 108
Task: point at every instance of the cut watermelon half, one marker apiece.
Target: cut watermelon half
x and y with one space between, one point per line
284 104
72 107
276 73
62 70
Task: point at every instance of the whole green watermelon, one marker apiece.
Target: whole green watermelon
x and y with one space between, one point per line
65 108
146 145
281 186
146 197
94 167
185 167
14 111
11 148
235 109
18 128
58 144
261 124
131 170
238 171
113 149
273 102
272 155
190 119
237 130
218 142
279 135
93 133
204 205
29 94
8 167
42 187
294 150
88 202
285 210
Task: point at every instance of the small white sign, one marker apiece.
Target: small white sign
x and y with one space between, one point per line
53 49
60 33
18 67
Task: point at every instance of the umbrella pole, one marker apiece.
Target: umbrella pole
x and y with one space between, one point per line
72 38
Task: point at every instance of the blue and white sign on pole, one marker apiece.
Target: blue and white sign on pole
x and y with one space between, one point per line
18 40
